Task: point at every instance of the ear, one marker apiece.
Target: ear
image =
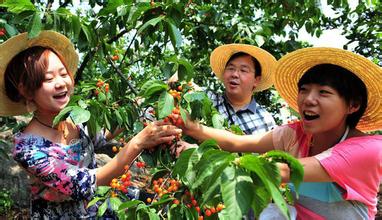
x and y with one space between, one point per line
256 82
23 92
353 107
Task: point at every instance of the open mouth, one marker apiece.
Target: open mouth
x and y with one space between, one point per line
60 95
234 83
310 116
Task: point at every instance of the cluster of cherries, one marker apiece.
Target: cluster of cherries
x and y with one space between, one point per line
162 187
207 210
122 183
175 118
101 85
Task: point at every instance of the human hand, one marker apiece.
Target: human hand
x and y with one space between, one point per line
181 146
155 133
284 172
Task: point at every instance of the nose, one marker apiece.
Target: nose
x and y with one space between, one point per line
310 98
235 73
59 82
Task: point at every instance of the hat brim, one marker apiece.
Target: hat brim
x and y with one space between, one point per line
220 56
292 66
10 48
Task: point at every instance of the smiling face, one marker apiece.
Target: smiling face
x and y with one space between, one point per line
54 93
330 98
239 78
322 109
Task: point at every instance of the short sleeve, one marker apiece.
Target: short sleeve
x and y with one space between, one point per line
50 166
356 165
285 139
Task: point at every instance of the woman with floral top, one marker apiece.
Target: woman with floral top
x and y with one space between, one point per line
37 75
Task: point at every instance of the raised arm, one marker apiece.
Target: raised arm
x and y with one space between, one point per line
229 141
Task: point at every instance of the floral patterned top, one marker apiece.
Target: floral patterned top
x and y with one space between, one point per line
63 177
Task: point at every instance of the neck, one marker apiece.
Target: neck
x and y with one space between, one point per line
45 119
329 139
238 102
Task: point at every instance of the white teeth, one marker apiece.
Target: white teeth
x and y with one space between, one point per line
309 114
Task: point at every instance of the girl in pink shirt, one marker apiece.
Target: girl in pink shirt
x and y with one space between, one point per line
338 96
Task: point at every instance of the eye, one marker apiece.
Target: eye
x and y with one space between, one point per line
64 74
230 69
245 71
302 89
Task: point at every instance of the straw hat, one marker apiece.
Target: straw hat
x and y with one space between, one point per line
292 66
220 56
10 48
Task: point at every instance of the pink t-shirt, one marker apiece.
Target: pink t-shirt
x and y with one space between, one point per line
354 164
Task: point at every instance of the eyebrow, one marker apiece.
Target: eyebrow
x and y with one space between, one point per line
59 70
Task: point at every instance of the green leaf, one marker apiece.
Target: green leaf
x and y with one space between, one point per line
175 35
152 87
255 164
115 202
64 113
118 116
217 121
101 97
151 22
102 190
102 209
12 31
94 201
165 104
18 6
210 166
237 192
195 96
79 115
129 204
296 169
35 27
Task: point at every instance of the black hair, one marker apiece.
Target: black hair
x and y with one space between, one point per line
256 63
346 83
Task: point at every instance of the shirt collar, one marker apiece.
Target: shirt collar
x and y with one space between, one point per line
251 106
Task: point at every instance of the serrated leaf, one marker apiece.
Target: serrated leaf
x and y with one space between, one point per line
237 192
254 164
296 169
211 163
165 104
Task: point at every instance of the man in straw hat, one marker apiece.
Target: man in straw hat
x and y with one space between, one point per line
60 159
338 95
243 69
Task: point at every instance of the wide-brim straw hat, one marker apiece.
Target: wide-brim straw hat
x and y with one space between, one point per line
292 66
220 56
10 48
